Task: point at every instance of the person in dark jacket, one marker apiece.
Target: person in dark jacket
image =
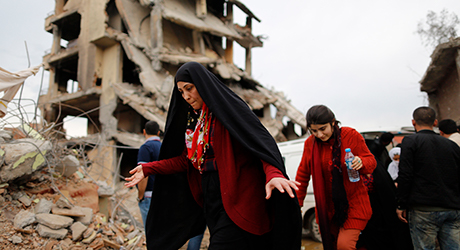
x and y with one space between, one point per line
219 167
378 148
428 193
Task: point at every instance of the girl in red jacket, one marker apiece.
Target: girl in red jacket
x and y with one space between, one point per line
218 167
342 207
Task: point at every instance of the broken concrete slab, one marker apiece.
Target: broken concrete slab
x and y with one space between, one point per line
47 232
23 157
74 211
25 199
23 219
77 229
136 18
183 13
88 216
43 206
157 82
139 100
54 221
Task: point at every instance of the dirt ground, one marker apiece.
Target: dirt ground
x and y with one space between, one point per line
309 244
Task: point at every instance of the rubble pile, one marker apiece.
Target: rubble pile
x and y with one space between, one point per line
47 201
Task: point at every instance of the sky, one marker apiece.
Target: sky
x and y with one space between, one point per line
363 59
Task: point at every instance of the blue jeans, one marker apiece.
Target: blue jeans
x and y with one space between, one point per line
425 227
195 242
144 206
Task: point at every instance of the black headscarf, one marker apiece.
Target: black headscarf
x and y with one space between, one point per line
174 216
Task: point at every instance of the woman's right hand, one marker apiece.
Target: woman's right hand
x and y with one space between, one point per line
137 176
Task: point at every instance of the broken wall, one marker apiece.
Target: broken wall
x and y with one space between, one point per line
442 80
446 98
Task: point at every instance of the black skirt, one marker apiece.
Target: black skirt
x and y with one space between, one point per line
224 233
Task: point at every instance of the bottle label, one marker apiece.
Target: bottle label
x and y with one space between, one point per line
348 162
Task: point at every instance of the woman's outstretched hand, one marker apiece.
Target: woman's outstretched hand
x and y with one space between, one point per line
136 177
282 184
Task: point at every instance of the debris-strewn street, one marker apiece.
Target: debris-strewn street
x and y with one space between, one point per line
48 200
34 216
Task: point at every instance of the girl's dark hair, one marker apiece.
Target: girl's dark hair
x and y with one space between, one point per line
320 114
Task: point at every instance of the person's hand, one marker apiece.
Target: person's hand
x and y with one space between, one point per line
357 163
401 215
137 176
281 184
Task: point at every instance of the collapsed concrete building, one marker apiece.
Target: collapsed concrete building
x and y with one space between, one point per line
113 62
441 80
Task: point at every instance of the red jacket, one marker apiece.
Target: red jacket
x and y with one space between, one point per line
360 210
242 181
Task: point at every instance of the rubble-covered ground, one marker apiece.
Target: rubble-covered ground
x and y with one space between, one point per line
33 216
49 201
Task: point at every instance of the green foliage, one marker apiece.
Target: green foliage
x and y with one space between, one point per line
437 29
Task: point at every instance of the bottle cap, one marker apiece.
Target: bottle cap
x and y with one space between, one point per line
347 150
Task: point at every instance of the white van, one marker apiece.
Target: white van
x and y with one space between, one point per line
292 154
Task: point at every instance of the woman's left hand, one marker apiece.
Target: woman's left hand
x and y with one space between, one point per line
357 163
281 184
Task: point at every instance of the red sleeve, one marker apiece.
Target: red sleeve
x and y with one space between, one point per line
304 172
360 149
271 171
167 166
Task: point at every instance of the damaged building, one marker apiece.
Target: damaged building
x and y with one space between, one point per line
113 62
441 80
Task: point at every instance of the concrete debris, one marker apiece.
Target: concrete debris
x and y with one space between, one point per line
43 206
104 190
23 219
68 166
5 136
16 239
54 221
25 200
74 211
23 157
63 203
47 232
48 209
42 226
77 229
88 216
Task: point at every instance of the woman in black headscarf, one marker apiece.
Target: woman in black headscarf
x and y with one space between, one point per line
222 176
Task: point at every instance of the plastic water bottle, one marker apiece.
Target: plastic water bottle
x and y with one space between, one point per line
353 175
